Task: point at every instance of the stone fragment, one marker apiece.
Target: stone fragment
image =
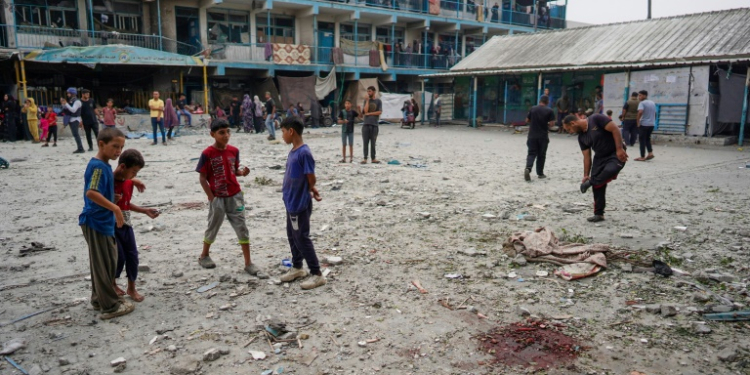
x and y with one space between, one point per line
654 309
62 361
120 368
177 274
668 310
334 260
211 355
728 355
701 297
701 329
143 267
117 361
185 366
519 260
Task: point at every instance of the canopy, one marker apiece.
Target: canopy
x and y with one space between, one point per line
111 54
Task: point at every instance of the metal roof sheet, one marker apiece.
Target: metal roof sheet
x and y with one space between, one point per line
721 36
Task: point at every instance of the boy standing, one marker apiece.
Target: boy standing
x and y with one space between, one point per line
298 191
218 166
109 113
346 119
372 110
130 163
98 225
156 106
51 118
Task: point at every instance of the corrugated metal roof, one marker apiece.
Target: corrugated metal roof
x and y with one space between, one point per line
720 36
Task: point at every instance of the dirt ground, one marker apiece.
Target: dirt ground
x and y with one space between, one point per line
392 224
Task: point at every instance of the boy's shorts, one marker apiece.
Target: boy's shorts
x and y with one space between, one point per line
234 210
347 136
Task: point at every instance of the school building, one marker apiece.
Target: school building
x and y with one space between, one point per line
695 68
219 48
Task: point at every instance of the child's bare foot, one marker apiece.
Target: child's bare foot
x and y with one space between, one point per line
119 291
135 296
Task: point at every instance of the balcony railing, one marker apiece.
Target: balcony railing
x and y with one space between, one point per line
36 37
260 53
468 10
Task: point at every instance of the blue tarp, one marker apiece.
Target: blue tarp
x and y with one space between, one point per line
111 54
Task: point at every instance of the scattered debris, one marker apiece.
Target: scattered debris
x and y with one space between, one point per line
208 287
35 247
12 346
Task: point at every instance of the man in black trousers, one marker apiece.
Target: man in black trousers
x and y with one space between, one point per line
88 117
540 119
600 134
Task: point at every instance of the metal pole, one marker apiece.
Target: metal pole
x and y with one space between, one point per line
539 88
687 107
505 106
315 38
744 105
423 112
424 50
393 44
536 15
182 85
474 103
356 41
91 18
158 15
649 9
627 86
205 86
26 95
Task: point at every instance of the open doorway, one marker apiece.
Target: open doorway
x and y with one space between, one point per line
188 30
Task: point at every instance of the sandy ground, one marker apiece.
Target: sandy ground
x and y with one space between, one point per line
375 218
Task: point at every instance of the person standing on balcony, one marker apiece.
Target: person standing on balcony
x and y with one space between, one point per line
371 111
156 106
270 114
72 109
182 110
88 117
495 9
646 121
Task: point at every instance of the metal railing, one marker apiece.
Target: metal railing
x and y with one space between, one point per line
35 37
258 52
467 9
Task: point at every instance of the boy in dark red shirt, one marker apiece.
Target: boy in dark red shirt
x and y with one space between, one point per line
218 166
128 165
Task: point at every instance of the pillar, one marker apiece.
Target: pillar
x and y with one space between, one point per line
744 106
474 101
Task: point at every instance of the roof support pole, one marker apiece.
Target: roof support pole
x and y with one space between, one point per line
26 94
205 86
356 41
744 105
474 102
505 103
539 88
627 86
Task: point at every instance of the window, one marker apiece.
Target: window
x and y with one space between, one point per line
363 32
47 13
449 43
281 29
383 35
228 26
122 15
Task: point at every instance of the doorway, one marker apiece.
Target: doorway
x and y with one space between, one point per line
326 32
188 31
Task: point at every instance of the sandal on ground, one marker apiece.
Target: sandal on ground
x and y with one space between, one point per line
124 309
375 161
649 157
363 162
343 160
206 262
640 159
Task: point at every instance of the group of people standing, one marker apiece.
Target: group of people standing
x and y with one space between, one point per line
599 139
251 115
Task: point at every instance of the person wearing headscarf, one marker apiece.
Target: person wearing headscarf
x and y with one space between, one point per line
258 115
248 113
32 118
170 118
9 108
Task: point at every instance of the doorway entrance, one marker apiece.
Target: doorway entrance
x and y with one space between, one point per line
188 31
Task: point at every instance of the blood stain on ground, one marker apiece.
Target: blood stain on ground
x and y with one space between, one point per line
535 344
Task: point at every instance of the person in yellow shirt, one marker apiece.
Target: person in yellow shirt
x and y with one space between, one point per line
156 106
30 109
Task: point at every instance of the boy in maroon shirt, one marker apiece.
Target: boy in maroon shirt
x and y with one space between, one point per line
218 166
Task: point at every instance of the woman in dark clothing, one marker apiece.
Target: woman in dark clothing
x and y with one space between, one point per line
494 12
10 109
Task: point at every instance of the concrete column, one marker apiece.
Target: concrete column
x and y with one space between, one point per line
203 21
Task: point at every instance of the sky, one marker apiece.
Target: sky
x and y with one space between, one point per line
609 11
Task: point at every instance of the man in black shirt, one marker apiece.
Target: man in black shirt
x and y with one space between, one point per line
541 117
270 115
88 117
600 134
